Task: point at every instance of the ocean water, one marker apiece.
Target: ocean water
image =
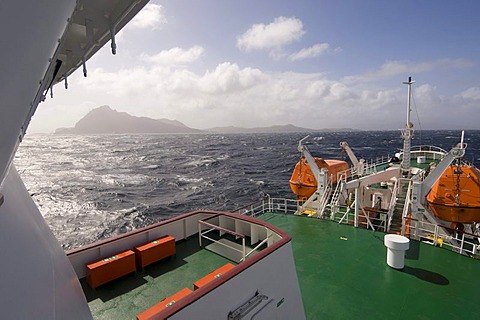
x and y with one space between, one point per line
92 187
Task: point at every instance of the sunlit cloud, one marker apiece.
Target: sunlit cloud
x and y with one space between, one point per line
165 85
275 35
396 68
471 94
311 52
175 56
151 16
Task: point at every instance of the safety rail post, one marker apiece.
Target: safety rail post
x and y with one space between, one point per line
243 249
461 242
200 234
416 230
435 236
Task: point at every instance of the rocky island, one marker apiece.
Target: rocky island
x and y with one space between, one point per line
105 120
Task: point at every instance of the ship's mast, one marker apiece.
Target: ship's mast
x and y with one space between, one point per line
407 133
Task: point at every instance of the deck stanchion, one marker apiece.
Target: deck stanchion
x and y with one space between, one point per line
357 209
200 234
243 249
461 243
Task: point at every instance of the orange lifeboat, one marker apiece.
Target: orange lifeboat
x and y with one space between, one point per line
303 182
455 196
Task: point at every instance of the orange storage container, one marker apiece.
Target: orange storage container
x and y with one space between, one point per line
155 250
212 275
165 303
110 268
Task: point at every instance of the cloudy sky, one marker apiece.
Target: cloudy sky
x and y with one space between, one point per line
311 63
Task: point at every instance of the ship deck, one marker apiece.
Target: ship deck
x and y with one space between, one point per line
343 274
125 298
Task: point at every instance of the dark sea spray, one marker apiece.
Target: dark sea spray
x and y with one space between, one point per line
92 187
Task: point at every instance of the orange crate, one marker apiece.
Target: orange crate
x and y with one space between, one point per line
212 275
110 268
155 250
165 303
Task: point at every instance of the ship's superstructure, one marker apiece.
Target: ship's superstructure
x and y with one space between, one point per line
433 189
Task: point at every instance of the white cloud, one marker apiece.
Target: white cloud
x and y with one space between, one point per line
471 94
151 16
395 68
175 56
313 51
232 95
275 35
228 77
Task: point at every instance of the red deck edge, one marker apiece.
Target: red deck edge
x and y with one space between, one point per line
197 294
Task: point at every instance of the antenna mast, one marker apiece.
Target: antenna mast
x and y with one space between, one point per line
407 133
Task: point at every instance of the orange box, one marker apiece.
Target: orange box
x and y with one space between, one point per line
212 275
155 250
165 303
110 268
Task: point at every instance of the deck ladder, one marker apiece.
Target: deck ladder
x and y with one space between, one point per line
349 207
335 198
396 213
315 205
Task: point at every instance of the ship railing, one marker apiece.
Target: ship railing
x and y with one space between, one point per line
203 234
429 148
369 167
269 204
255 233
428 151
461 242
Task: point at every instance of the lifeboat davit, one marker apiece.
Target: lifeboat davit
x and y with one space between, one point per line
303 182
455 196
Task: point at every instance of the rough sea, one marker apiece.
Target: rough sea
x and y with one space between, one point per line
93 187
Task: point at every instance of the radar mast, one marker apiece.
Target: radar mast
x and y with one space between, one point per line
407 133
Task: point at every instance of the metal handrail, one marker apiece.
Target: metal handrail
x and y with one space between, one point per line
405 206
393 201
214 227
258 246
417 228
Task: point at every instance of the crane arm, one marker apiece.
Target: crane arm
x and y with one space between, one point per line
308 156
350 153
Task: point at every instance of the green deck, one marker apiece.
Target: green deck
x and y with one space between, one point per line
132 294
342 273
349 279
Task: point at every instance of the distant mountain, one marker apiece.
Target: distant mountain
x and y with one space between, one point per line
106 120
272 129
